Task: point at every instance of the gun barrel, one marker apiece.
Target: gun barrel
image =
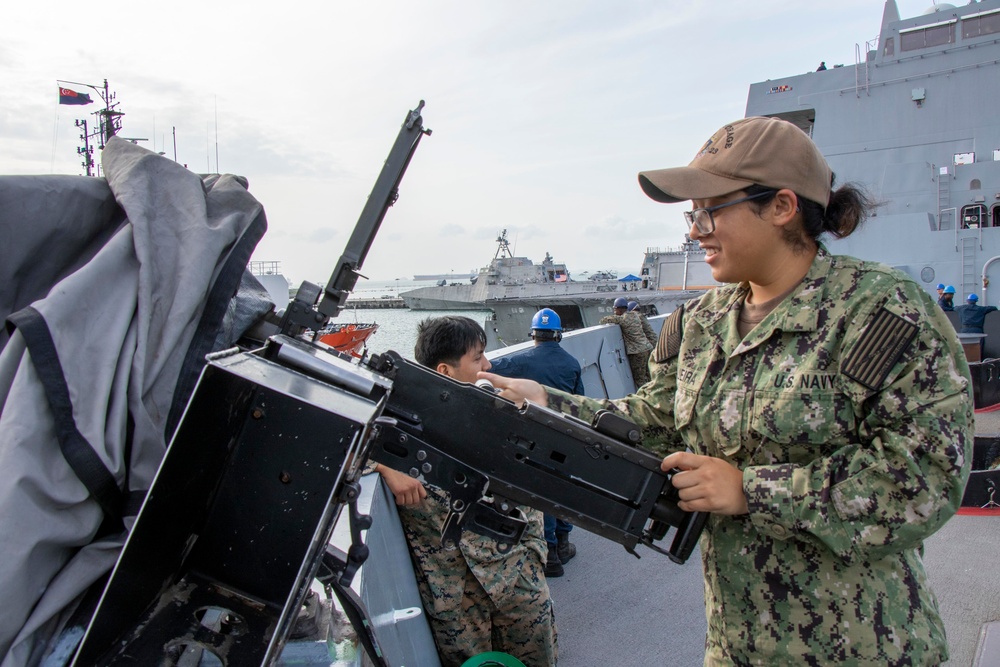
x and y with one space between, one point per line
383 195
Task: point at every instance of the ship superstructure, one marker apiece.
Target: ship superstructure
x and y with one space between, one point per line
914 121
504 271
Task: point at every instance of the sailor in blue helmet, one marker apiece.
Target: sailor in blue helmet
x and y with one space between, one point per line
940 290
973 316
946 300
549 364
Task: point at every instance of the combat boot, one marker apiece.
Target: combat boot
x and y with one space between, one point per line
565 549
553 566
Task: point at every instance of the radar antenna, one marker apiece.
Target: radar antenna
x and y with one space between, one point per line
503 246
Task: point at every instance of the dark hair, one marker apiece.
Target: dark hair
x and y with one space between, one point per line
850 205
446 340
546 334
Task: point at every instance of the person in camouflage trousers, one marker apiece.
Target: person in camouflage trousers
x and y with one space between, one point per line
825 406
477 599
637 347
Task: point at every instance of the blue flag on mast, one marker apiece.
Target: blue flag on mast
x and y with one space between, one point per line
67 96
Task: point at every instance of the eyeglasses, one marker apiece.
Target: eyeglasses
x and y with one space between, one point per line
702 217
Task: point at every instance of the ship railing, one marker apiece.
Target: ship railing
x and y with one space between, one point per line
671 251
265 268
862 82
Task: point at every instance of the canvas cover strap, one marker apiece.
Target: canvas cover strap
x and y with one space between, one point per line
79 453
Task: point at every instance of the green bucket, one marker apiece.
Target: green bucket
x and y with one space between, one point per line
493 659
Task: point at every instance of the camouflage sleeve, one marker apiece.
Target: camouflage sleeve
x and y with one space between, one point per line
651 407
906 476
647 329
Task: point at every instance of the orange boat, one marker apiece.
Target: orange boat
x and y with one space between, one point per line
348 337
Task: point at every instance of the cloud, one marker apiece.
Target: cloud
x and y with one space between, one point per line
542 113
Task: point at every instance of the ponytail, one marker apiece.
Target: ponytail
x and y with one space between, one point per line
849 207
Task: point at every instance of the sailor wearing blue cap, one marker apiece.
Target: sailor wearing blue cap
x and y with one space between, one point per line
946 300
547 363
973 316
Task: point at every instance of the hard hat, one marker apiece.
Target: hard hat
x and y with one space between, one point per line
940 286
621 302
972 297
546 320
949 290
632 305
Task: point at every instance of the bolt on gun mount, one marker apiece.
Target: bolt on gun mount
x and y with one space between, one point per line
467 440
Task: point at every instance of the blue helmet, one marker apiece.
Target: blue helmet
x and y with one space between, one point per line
621 302
632 305
546 320
940 286
972 298
949 290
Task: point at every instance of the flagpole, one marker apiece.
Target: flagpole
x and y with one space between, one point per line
217 135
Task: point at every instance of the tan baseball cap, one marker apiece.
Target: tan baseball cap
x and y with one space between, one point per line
766 151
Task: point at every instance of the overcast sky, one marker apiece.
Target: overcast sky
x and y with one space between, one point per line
542 112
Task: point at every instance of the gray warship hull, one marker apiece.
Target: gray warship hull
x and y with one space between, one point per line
510 323
668 278
913 121
514 288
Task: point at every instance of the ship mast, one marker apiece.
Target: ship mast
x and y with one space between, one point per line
503 246
109 124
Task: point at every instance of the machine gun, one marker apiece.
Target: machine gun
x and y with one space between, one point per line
269 452
590 474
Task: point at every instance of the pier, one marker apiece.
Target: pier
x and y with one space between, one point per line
378 302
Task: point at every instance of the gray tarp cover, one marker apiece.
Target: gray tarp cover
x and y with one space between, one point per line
132 276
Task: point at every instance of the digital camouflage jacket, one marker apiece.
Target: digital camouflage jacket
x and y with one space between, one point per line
849 410
632 333
647 328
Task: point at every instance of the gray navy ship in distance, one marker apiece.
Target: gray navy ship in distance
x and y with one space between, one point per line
913 119
514 288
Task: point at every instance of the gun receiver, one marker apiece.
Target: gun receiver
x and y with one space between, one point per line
532 456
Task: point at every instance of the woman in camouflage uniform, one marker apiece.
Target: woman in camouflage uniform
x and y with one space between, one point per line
824 405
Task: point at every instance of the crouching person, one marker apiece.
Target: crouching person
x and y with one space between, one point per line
476 599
